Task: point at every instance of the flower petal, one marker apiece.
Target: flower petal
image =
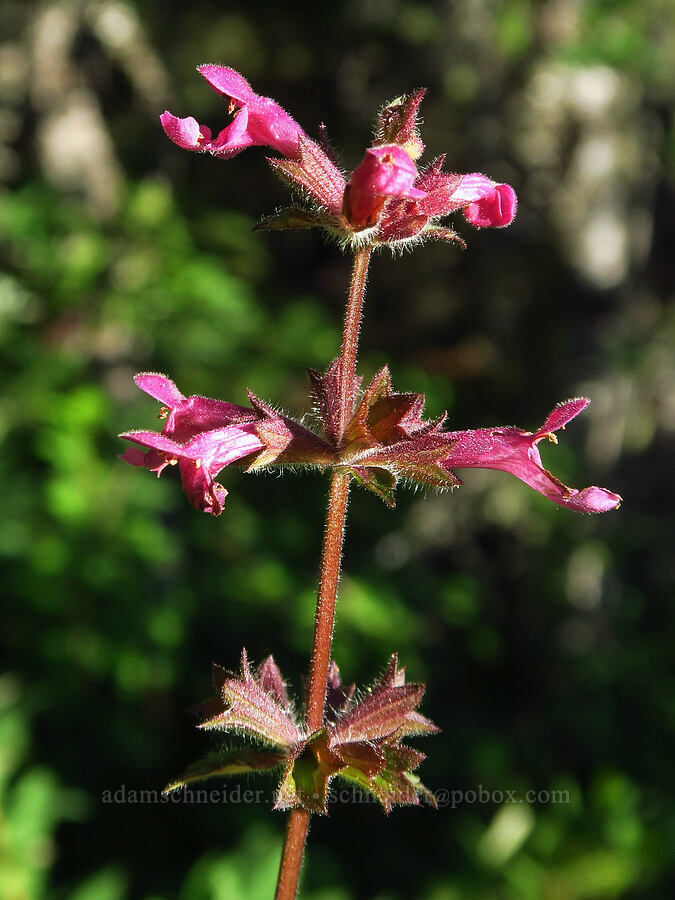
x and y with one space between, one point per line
227 82
160 387
215 448
152 460
189 415
489 205
260 121
187 132
592 500
234 137
563 413
201 490
134 456
514 450
386 171
200 460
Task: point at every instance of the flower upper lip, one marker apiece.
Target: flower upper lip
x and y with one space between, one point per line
257 121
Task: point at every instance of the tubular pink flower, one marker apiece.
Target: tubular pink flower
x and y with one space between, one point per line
386 171
257 121
201 436
435 194
515 451
487 204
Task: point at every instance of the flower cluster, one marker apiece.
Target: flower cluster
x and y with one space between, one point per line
360 741
386 201
386 440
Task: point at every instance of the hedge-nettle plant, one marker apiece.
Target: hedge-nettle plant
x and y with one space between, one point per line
373 436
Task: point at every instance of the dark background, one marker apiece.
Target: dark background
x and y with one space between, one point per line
545 636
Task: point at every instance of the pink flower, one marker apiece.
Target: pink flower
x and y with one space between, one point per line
515 451
201 436
433 194
386 171
388 440
257 121
486 204
389 195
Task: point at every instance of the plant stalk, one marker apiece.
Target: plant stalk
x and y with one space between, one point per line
331 555
350 337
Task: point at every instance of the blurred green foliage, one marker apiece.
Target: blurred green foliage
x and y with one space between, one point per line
546 638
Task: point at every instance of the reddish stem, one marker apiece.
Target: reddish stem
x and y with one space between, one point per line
350 336
325 604
291 858
331 555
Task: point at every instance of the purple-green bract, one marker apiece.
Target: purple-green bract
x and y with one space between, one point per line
360 740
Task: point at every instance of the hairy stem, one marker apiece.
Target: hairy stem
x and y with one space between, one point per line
325 605
331 555
291 858
350 336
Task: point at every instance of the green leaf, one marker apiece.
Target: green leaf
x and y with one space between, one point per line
380 481
288 220
249 708
228 762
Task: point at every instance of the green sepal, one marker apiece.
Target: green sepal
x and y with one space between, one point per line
228 762
396 784
367 757
438 233
379 481
397 123
383 416
289 219
305 782
285 440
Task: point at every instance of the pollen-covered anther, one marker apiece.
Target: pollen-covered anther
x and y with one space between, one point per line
198 464
551 437
164 412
